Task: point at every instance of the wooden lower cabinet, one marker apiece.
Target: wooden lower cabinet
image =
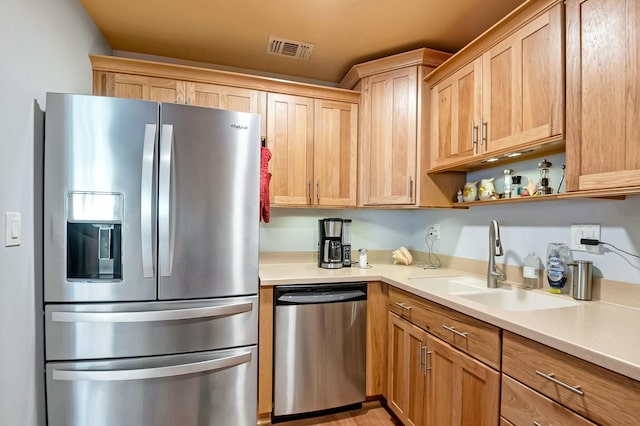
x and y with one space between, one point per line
594 392
522 405
432 383
463 391
407 393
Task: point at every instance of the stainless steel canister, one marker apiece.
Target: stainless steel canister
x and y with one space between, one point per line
581 280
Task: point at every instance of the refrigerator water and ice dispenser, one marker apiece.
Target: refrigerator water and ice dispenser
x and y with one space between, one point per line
94 236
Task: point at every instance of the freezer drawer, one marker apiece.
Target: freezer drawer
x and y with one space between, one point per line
118 330
208 388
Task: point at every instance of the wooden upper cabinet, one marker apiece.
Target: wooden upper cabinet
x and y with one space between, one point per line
501 93
335 148
522 81
455 115
388 152
314 148
144 87
230 98
290 139
603 94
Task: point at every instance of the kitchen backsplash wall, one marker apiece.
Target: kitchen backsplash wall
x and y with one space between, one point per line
464 233
297 229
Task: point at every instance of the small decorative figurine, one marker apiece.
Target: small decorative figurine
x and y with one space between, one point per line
487 190
460 199
470 192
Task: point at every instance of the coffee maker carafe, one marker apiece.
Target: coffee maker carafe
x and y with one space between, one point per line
330 243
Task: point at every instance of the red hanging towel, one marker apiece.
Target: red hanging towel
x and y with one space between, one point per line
265 178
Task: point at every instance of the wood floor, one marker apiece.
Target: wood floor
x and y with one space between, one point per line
371 414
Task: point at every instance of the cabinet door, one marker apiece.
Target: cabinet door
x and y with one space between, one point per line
603 94
335 153
523 85
146 88
389 138
290 139
462 391
407 393
229 98
455 115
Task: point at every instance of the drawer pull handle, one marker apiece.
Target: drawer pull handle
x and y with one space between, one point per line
575 389
454 331
403 306
537 424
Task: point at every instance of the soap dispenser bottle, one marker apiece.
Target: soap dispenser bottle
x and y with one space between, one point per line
558 258
531 271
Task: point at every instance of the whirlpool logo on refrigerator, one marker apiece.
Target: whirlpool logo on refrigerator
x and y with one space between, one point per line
239 127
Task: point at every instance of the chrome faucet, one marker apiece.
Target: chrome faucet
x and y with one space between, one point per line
494 273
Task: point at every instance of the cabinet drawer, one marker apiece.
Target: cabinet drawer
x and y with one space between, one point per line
524 406
598 394
477 338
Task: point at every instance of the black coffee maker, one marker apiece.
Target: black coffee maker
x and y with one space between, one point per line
330 243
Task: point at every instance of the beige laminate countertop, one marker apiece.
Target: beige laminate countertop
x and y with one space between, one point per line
603 333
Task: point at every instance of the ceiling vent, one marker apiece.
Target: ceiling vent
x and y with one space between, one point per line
289 48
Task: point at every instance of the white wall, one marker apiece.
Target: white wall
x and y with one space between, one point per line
297 229
464 233
45 46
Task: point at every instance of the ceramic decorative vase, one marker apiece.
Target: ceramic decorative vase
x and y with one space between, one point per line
487 190
470 192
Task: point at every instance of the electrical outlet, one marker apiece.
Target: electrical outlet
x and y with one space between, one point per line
584 231
434 231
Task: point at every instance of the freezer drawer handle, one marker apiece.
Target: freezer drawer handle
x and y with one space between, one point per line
152 373
148 316
146 205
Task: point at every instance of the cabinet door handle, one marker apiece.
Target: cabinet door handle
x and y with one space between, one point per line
426 353
550 376
454 331
484 132
309 192
318 191
474 134
536 424
410 187
420 355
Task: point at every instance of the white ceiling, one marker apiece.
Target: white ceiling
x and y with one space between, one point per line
344 32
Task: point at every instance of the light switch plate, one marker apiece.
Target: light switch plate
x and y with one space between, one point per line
590 231
12 229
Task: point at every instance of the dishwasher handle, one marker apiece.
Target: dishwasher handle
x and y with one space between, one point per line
316 297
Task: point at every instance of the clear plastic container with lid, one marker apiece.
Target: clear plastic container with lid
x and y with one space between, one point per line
531 271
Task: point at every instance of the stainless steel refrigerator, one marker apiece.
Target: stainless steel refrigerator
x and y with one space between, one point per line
150 263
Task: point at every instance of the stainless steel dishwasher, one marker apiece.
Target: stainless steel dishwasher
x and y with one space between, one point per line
320 346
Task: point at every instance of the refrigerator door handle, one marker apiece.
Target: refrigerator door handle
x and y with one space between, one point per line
164 201
146 197
149 316
152 373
